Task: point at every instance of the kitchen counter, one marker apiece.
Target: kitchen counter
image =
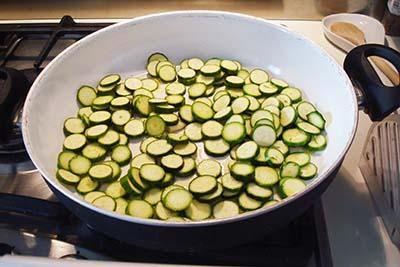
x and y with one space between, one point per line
283 9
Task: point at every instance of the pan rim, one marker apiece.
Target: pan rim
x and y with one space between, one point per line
201 14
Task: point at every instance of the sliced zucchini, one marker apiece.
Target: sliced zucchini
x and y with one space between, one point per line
213 61
308 171
264 135
225 209
271 101
293 93
74 126
115 190
248 203
279 83
216 147
157 56
317 143
145 143
96 131
266 176
257 192
159 148
223 114
295 137
185 149
121 205
193 131
254 104
268 88
260 159
177 199
274 156
163 213
211 129
304 108
203 185
120 117
86 185
247 150
79 165
288 116
316 119
99 117
301 158
242 171
233 132
133 84
86 95
175 88
149 85
185 112
212 196
189 167
240 105
121 154
141 159
67 177
110 79
151 173
291 186
120 102
94 152
229 67
230 183
258 76
134 128
290 169
105 202
177 138
64 158
175 100
259 115
234 81
252 90
142 105
91 196
281 146
235 118
110 138
308 127
101 173
172 162
202 112
116 169
155 126
209 167
198 211
152 196
74 142
221 103
140 209
210 70
273 109
186 76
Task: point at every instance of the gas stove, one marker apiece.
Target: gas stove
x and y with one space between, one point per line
33 223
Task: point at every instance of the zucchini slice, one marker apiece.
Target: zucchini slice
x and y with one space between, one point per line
304 108
120 117
140 160
247 150
198 211
268 88
240 105
177 199
94 152
230 183
91 196
288 116
86 95
248 203
134 128
258 76
229 67
105 202
202 112
116 169
317 143
101 173
79 165
140 209
64 158
163 213
242 171
291 186
157 56
67 177
115 190
203 185
155 126
121 154
193 131
185 149
293 93
133 84
211 129
308 171
290 169
209 167
216 147
195 63
264 135
316 119
74 126
110 138
301 158
189 167
175 88
172 162
257 192
225 209
74 142
308 127
159 148
152 196
151 173
212 196
86 185
295 137
185 112
121 205
266 176
234 132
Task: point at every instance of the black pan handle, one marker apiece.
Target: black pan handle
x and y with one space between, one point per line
380 100
14 87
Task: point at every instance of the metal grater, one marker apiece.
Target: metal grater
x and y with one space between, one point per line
380 167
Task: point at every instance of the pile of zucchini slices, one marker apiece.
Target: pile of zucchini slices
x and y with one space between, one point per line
155 146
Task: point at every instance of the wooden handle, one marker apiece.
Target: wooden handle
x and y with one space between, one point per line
391 73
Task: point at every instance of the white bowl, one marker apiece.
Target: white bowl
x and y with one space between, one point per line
372 28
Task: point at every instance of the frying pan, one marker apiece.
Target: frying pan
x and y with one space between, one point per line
123 48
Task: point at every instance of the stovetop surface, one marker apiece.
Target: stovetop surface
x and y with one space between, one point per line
59 234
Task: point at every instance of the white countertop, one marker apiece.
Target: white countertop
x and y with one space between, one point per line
356 233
